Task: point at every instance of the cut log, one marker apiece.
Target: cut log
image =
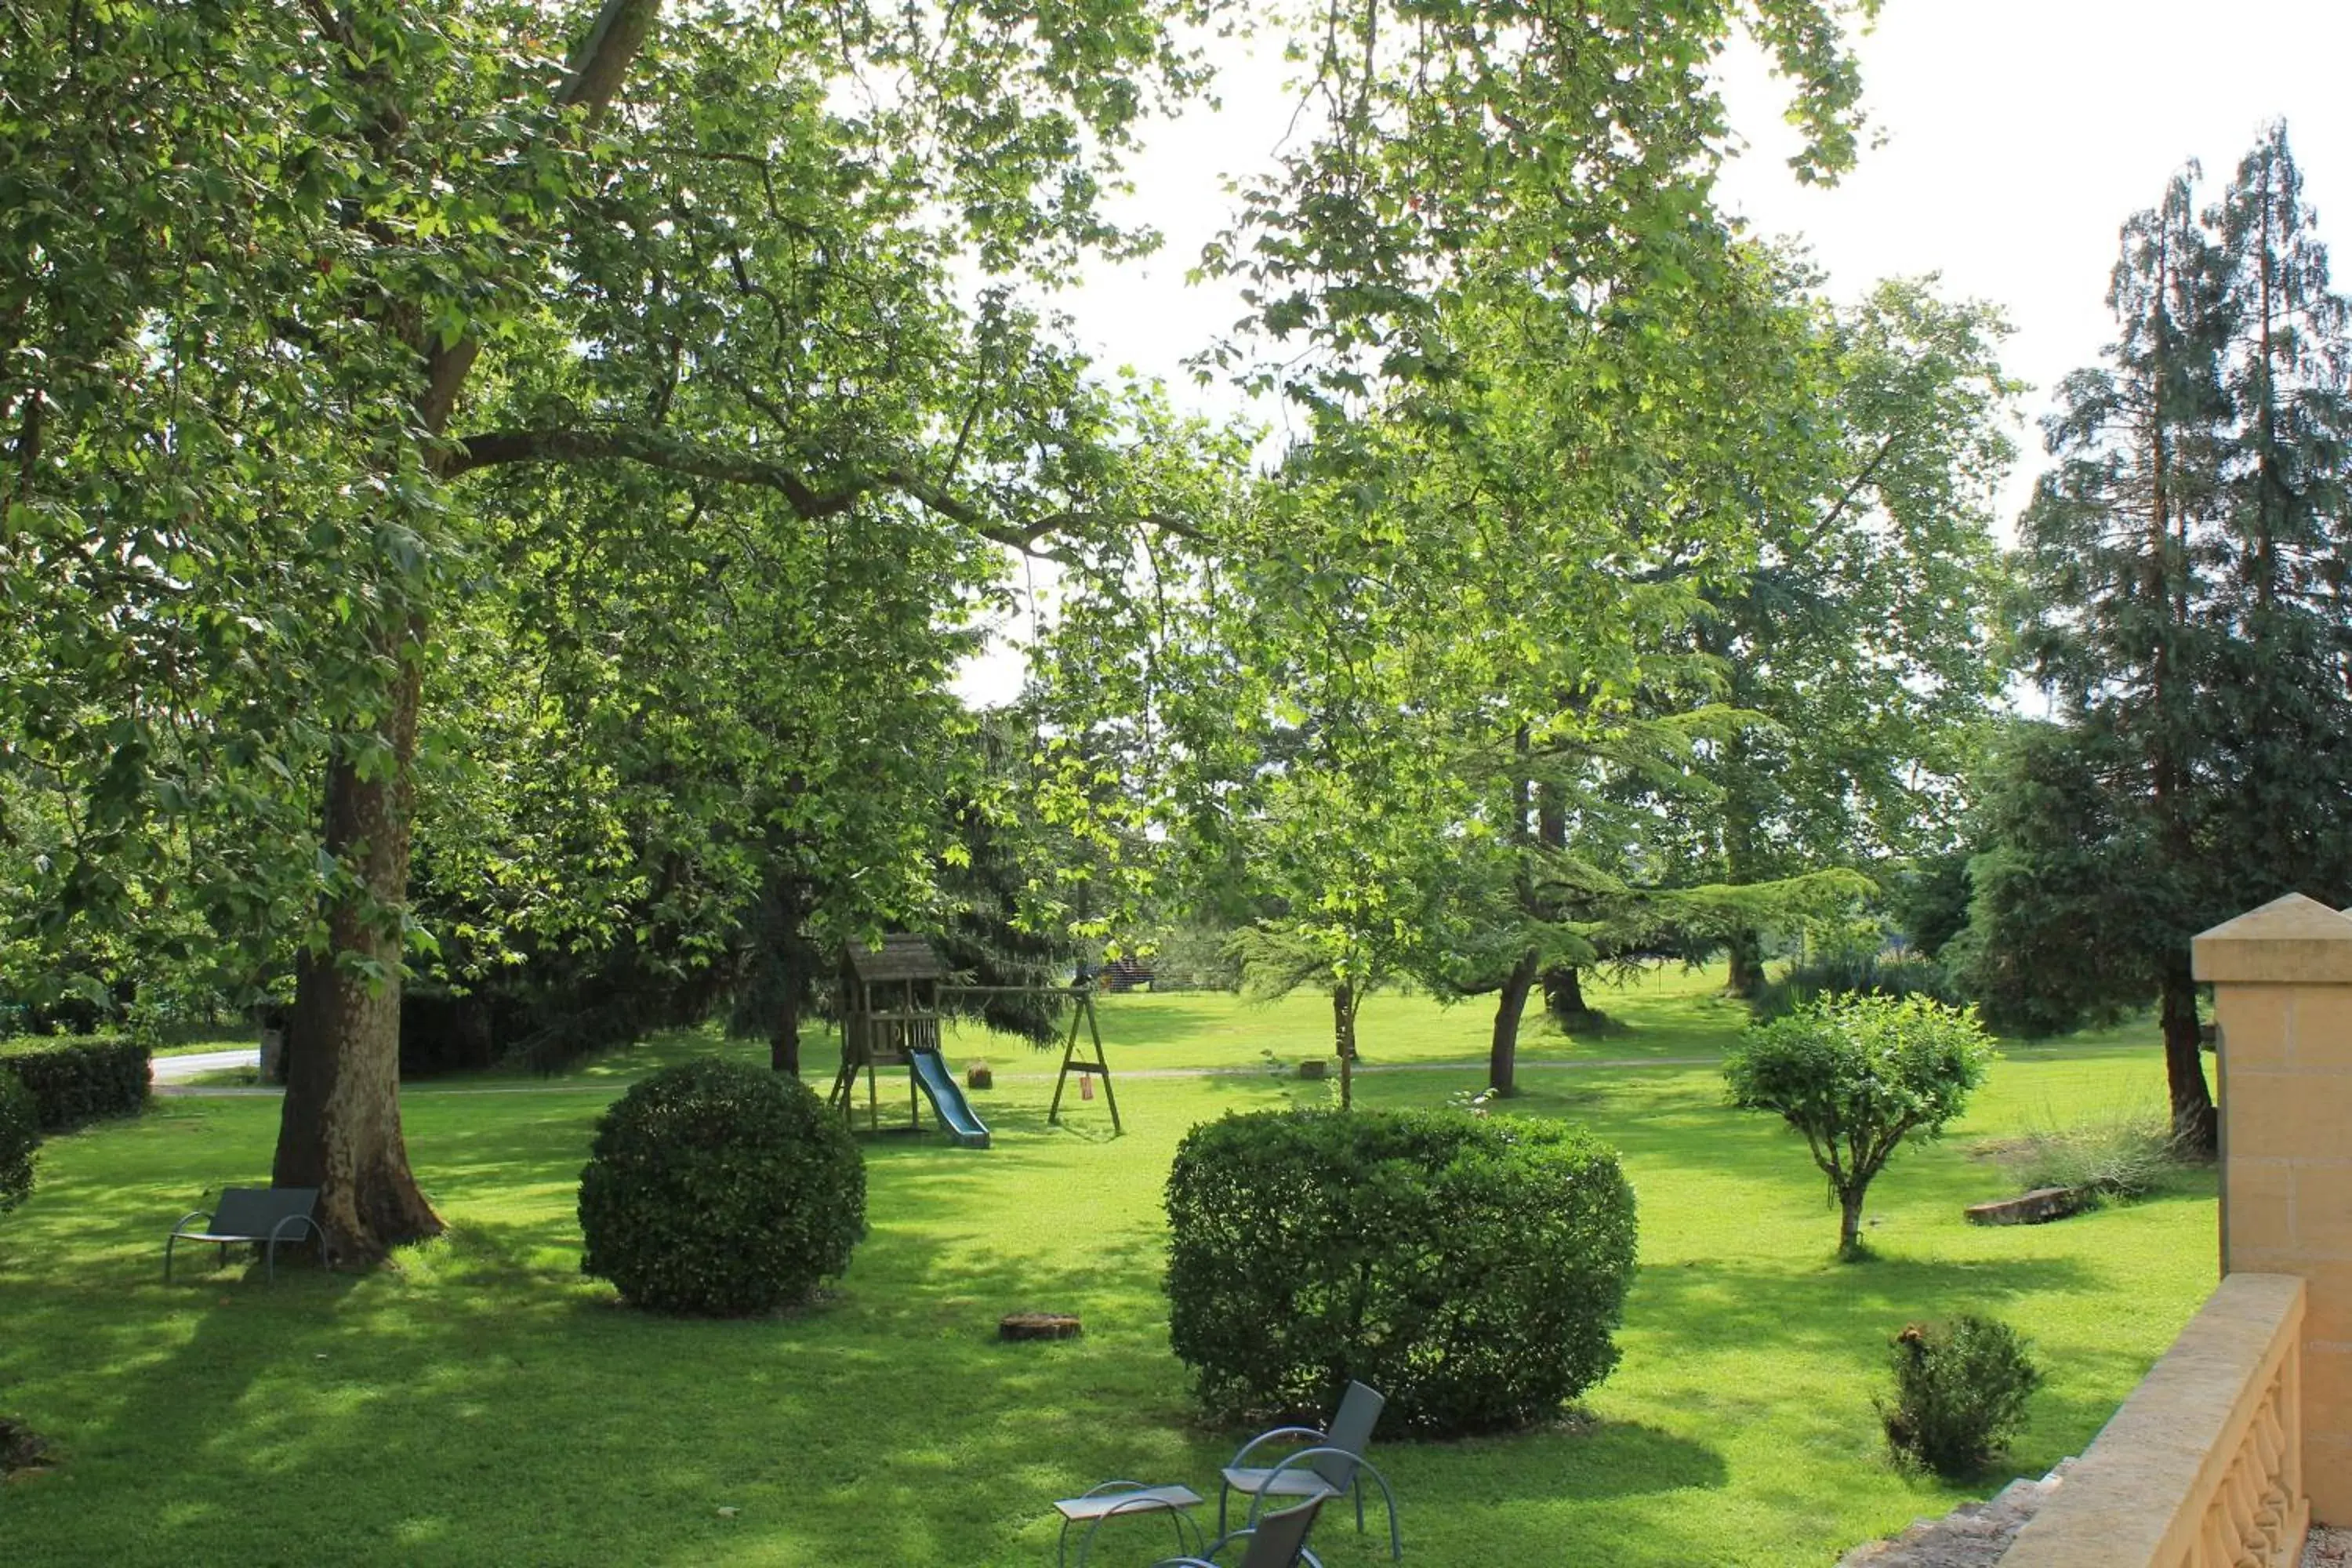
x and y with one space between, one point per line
1037 1326
2036 1207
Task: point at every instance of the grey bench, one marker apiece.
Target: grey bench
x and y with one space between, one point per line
1118 1499
256 1217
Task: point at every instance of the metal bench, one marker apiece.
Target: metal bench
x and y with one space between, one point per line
256 1217
1119 1500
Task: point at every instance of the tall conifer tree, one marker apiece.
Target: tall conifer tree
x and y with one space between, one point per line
2284 712
2186 563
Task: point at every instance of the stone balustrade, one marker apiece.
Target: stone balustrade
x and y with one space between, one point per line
2202 1468
2241 1435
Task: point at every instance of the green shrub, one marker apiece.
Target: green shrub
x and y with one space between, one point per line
20 1134
1961 1390
1471 1269
720 1190
2123 1154
1856 974
78 1080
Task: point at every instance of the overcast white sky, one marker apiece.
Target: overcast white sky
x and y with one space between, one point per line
2019 134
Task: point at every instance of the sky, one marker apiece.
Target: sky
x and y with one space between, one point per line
2017 136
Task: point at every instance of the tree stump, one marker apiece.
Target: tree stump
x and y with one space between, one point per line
1037 1326
1315 1067
977 1076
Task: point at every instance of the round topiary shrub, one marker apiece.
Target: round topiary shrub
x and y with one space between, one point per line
1471 1269
720 1190
20 1134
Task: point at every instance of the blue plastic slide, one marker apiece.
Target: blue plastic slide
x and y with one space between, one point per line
939 1087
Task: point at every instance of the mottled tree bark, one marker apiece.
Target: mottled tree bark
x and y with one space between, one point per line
339 1130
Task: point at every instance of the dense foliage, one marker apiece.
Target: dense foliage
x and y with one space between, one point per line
566 452
1473 1269
78 1080
1856 1075
718 1190
20 1135
2184 567
1961 1390
1852 974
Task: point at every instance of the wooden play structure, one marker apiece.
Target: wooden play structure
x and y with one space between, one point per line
890 1010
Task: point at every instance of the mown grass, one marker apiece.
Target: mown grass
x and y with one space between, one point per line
481 1403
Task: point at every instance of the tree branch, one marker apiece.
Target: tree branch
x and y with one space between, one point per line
596 70
659 449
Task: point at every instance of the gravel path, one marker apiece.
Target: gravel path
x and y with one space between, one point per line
179 1069
172 1083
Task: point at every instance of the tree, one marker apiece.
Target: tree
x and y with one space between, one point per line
2182 567
2284 687
1859 645
394 248
1857 1077
290 290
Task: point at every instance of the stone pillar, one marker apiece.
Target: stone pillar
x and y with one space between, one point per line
2282 978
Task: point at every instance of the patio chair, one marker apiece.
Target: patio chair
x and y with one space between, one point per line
1277 1541
1330 1464
263 1217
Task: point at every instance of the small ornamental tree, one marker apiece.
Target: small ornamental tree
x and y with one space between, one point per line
1857 1075
718 1190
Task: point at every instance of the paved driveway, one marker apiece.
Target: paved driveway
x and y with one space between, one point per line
180 1069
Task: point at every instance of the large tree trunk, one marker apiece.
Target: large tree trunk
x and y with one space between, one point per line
1343 1040
1510 1002
784 1045
1563 989
1747 951
2195 1129
339 1128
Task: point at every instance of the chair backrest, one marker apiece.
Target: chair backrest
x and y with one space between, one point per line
257 1211
1350 1433
1280 1538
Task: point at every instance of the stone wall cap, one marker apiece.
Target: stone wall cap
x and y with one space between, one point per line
2292 940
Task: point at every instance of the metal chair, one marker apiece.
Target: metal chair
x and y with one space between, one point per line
1330 1464
1277 1541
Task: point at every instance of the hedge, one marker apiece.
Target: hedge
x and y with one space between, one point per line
75 1081
1472 1269
20 1135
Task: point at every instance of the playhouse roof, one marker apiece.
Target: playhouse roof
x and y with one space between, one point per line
901 956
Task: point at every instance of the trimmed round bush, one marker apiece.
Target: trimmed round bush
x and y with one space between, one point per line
1471 1269
720 1191
20 1134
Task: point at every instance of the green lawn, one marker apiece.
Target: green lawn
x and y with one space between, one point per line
481 1403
